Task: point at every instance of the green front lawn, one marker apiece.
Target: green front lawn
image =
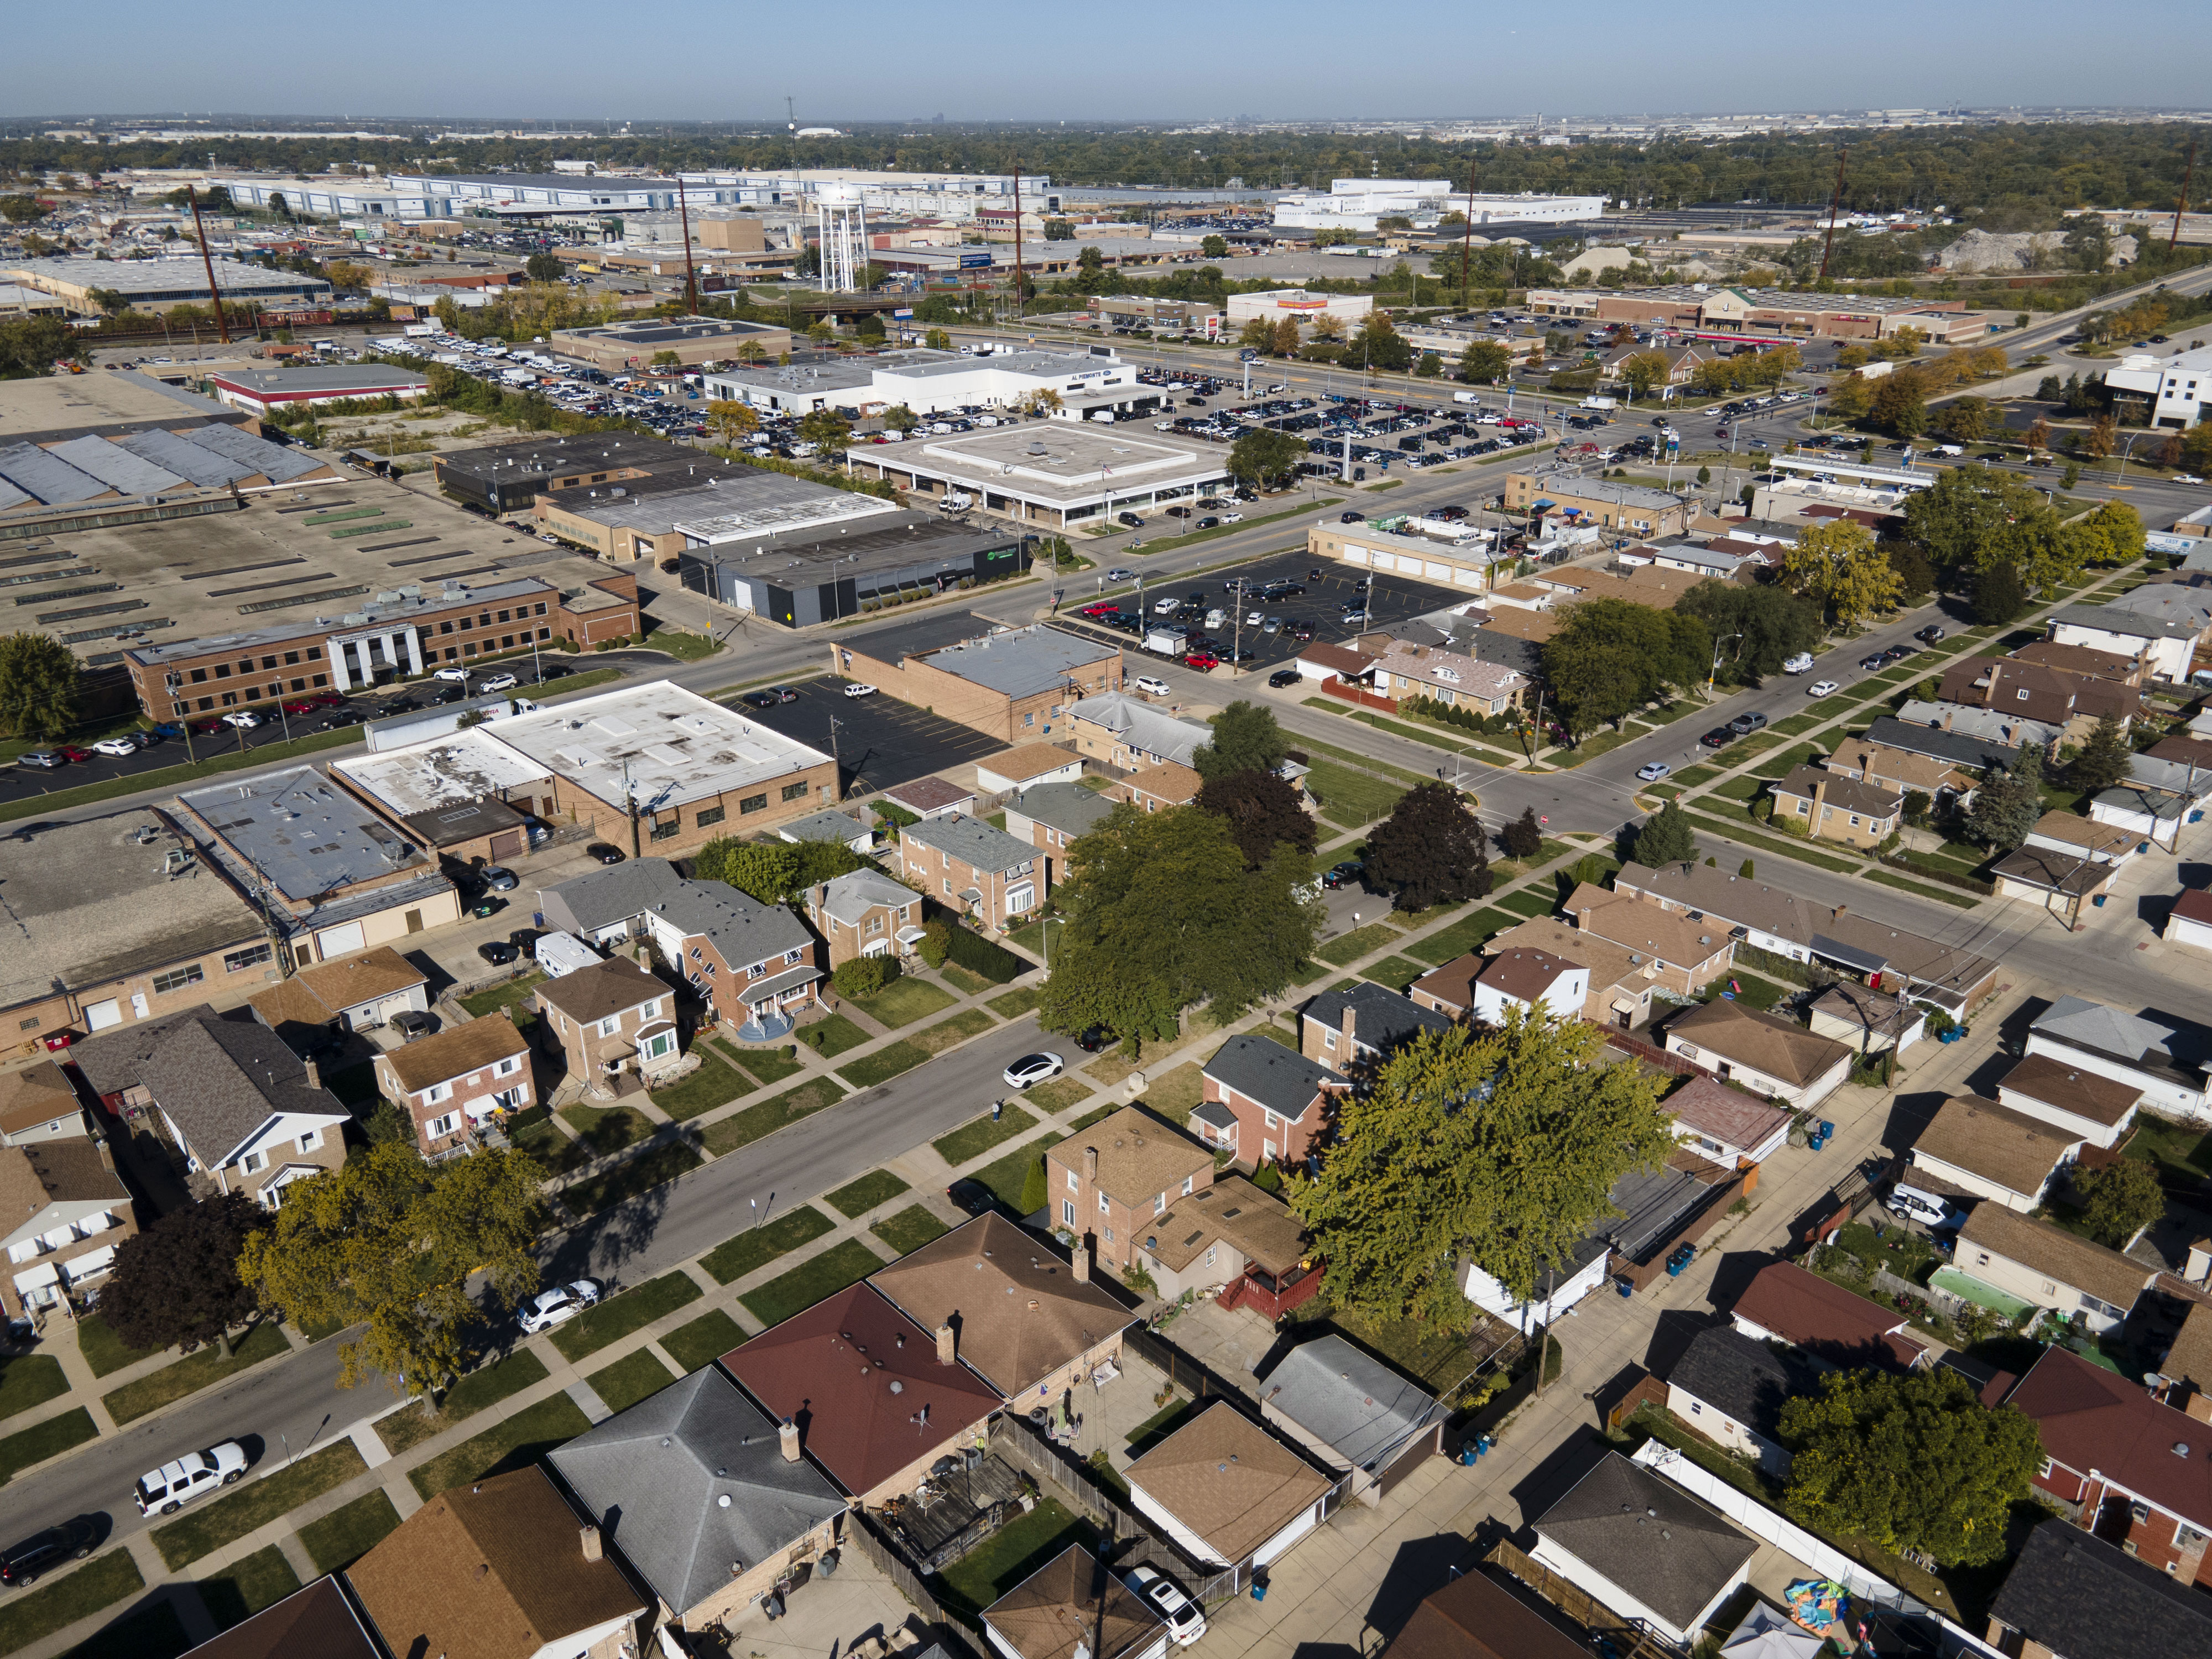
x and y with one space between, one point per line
909 1229
713 1083
1351 798
1007 1175
2180 1152
193 1372
484 1386
908 1053
1016 1003
684 647
514 1443
742 1129
618 1316
978 1135
601 1130
1050 1099
843 1263
60 1602
28 1380
964 980
856 1198
348 1532
764 1065
627 1179
51 1438
238 1592
1009 1555
756 1247
103 1350
220 1521
1461 936
1530 901
636 1377
1396 972
704 1340
832 1037
1348 948
903 1001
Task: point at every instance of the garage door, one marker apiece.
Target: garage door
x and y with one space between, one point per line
99 1016
506 844
340 941
1289 1535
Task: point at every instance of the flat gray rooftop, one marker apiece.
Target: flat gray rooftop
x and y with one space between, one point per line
440 771
102 400
1019 663
87 901
164 276
323 377
304 834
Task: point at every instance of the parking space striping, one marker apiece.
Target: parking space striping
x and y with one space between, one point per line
881 742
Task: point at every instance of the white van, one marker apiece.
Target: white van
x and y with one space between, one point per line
1931 1210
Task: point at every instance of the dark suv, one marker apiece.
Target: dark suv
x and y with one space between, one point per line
72 1541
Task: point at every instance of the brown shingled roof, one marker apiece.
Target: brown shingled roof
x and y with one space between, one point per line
1645 929
1020 1311
1055 1613
1453 984
1228 1481
1474 1617
1761 1042
2068 1258
2015 1150
1168 781
1823 1318
490 1570
2084 1094
611 986
455 1052
1844 794
1257 1224
352 981
1139 1156
33 1096
1525 976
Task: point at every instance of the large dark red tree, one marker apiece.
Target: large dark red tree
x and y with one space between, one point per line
1430 850
1262 811
176 1285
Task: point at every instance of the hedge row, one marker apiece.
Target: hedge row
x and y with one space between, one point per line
979 955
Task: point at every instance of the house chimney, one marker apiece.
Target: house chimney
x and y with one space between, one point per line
1819 799
1082 1262
590 1542
1090 1165
315 1075
945 1353
786 1440
1350 1023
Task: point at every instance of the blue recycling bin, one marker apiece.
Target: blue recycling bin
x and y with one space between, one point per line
1259 1591
1826 1128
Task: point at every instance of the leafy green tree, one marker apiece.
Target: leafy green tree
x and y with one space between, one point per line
863 976
1913 1462
392 1242
1666 838
1998 596
2104 758
825 429
176 1285
766 870
39 683
543 267
1642 370
1163 913
1431 850
2120 1199
2111 535
1611 656
1523 838
21 209
1430 367
1378 345
1485 363
1262 811
1499 1146
2008 801
1060 230
1916 577
1838 563
901 419
1263 455
1214 247
34 346
1775 624
1964 420
936 340
1901 404
1973 516
1258 334
1246 739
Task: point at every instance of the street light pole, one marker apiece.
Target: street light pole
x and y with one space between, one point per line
1715 669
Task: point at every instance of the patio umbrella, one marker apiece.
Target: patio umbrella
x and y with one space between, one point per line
1766 1634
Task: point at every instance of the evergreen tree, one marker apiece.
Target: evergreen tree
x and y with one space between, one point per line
2009 801
1666 837
1998 596
2104 759
1524 838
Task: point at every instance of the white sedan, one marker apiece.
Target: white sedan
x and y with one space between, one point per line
245 719
859 690
1821 689
562 1302
1033 1069
1185 1622
116 746
1652 771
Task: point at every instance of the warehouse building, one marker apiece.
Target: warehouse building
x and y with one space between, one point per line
331 198
158 284
931 382
1014 685
1056 474
694 340
1767 313
637 518
102 402
510 477
257 390
1358 203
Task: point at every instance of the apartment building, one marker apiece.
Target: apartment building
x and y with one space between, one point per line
608 1018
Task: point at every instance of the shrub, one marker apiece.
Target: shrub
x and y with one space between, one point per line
863 976
1035 1193
979 955
936 944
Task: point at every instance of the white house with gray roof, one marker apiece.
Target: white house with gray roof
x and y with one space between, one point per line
2163 1059
1354 1413
2159 626
966 865
2155 800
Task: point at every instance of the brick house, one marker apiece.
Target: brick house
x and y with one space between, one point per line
2072 1594
1826 807
1049 816
1263 1101
865 912
608 1018
233 1108
756 963
69 1211
454 1081
1687 955
2112 1460
1111 1180
1341 1030
968 866
1149 788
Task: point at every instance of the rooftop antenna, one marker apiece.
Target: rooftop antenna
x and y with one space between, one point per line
1835 201
2182 206
207 262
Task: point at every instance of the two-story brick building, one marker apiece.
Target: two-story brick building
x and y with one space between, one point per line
457 1080
865 912
966 865
1014 685
1264 1102
608 1018
756 963
1050 816
1111 1180
1345 1031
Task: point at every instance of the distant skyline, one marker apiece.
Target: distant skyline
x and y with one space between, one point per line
1138 61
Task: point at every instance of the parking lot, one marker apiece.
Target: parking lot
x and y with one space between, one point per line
880 741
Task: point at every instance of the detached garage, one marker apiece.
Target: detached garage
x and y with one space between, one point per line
1228 1491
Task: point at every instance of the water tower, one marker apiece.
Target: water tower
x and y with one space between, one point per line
840 220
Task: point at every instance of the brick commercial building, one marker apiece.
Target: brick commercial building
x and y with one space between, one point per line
1768 315
966 865
1109 1181
456 1080
694 340
257 390
510 477
1014 685
1633 509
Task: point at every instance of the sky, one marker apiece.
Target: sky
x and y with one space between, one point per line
1133 60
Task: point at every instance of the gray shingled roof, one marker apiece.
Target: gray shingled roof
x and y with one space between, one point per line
615 893
2113 618
1382 1020
742 928
1952 748
1356 1405
656 1475
1742 1376
1282 1079
218 1079
1068 807
2072 1592
850 897
1649 1537
972 840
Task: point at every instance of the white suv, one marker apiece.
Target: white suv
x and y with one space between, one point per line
1152 685
175 1485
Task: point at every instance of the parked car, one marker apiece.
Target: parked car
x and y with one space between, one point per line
1652 771
459 676
500 879
1283 677
1093 1038
165 730
1033 1069
1929 634
543 1311
411 1022
167 1489
331 722
758 699
1931 1210
1185 1622
1351 872
1821 689
302 706
497 682
972 1196
244 719
1800 664
1747 723
1719 738
72 1541
859 690
783 694
119 747
1152 685
497 951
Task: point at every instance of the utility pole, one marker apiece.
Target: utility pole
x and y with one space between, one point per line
836 760
690 277
1017 242
1467 245
1835 201
2182 206
207 262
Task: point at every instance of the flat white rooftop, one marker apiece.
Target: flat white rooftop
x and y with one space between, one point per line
781 518
443 771
657 744
1059 463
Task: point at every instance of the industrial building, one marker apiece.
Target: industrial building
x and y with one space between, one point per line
1055 474
694 340
332 198
510 477
1766 313
931 382
158 284
257 390
1014 685
103 402
1358 203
